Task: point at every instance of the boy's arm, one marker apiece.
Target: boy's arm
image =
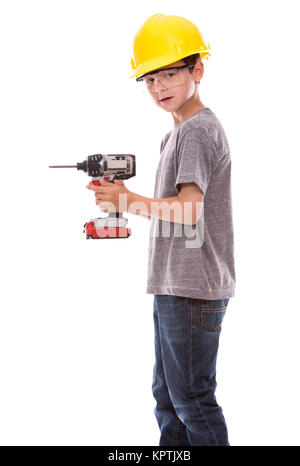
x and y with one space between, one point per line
185 208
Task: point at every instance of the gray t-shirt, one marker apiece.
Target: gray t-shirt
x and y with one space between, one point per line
195 261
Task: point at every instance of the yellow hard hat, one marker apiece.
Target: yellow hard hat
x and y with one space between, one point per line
164 39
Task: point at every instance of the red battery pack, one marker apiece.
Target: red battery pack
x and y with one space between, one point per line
94 232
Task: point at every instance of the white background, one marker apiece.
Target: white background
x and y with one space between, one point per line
76 330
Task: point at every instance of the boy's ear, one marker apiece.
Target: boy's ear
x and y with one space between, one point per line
198 71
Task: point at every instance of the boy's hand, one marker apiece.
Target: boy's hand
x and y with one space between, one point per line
108 193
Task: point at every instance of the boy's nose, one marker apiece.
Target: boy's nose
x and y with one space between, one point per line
160 85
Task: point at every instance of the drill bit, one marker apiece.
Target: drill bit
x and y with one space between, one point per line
62 166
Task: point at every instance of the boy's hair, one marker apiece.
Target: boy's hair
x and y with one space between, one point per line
191 60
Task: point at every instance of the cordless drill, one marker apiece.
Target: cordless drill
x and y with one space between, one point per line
107 167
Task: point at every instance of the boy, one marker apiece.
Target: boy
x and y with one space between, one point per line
192 281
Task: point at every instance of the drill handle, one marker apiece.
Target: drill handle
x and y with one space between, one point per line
96 180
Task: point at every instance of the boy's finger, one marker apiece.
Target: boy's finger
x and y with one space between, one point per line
92 186
101 190
101 196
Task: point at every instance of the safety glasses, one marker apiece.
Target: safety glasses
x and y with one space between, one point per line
168 77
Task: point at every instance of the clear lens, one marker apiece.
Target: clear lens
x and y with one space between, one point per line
168 78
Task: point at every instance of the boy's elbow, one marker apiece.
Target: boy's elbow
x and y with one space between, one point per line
193 215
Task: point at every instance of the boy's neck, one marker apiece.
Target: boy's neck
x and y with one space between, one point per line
188 109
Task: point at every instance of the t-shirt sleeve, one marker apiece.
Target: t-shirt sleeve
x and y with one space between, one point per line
195 153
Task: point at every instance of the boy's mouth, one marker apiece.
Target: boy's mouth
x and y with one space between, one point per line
166 99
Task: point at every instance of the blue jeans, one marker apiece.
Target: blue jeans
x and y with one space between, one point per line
186 339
